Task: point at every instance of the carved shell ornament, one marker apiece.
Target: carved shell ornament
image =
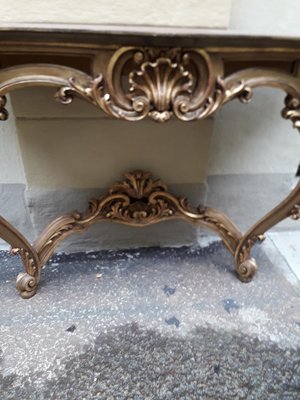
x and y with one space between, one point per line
154 83
160 86
165 82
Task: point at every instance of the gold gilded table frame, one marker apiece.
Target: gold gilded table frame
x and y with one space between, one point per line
133 76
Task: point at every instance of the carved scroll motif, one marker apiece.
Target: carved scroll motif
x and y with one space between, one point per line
27 281
139 200
187 84
157 83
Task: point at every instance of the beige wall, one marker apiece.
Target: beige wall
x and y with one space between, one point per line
253 138
35 104
266 17
87 152
11 167
193 13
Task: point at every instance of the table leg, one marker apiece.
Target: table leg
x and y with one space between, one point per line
138 201
289 207
26 281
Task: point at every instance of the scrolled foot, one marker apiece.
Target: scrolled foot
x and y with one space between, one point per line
26 285
246 270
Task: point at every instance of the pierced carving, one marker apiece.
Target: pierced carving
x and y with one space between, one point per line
139 200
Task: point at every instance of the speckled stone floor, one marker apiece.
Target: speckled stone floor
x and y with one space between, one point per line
152 324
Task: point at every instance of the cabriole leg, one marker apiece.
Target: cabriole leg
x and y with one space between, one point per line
290 207
26 281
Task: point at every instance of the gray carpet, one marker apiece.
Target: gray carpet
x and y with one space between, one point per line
151 324
132 363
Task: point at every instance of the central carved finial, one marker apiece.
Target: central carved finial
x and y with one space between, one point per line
138 184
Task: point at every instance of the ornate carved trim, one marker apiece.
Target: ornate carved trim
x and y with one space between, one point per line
41 75
158 83
241 84
28 255
139 200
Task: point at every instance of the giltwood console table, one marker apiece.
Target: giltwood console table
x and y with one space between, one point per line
135 75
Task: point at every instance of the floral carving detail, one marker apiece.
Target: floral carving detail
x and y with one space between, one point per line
292 110
88 91
138 185
295 213
140 199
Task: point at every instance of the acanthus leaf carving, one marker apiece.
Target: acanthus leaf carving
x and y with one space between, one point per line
138 200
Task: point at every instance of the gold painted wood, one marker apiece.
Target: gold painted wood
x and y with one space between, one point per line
26 281
138 201
188 78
